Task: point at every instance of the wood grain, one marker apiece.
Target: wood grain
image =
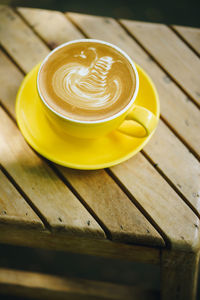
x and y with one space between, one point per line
78 244
144 164
172 99
190 35
15 36
14 209
170 156
43 286
113 207
176 220
179 272
138 178
108 208
59 29
8 87
129 226
161 147
61 209
171 52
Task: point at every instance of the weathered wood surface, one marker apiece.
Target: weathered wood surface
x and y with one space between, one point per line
56 203
13 208
73 243
139 228
112 206
172 53
164 157
59 29
9 87
80 182
186 122
174 218
43 286
96 28
21 37
129 226
190 35
187 118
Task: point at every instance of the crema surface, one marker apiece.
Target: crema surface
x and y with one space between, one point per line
87 81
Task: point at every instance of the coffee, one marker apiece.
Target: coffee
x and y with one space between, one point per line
87 81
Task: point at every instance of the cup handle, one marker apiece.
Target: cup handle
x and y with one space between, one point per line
144 122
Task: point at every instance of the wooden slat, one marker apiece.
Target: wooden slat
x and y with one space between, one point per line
112 206
180 166
53 199
72 243
187 182
131 226
190 35
9 87
189 234
24 37
13 208
58 31
186 121
171 52
170 213
43 286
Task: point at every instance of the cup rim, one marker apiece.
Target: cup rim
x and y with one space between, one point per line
94 121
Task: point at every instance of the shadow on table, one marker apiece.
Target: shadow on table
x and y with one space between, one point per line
81 266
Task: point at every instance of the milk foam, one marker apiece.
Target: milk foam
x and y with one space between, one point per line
88 86
87 81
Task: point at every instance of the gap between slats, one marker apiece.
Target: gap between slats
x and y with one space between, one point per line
80 198
76 194
175 132
11 58
55 170
159 64
7 111
32 28
63 179
26 198
170 182
162 118
183 39
110 173
137 204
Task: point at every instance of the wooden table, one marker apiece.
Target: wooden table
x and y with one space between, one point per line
146 209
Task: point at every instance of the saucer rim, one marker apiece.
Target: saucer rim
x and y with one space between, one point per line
111 163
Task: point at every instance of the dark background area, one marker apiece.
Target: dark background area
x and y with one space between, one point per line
79 266
179 12
66 264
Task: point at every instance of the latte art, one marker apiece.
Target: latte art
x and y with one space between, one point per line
87 87
87 81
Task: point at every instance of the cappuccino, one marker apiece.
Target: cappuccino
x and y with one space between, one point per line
87 81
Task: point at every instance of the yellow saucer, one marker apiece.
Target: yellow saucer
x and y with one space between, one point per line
72 152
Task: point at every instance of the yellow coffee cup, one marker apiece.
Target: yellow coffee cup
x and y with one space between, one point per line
132 120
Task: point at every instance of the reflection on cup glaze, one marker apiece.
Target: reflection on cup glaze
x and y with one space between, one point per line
88 87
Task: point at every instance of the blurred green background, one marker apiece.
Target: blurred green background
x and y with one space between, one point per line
180 12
